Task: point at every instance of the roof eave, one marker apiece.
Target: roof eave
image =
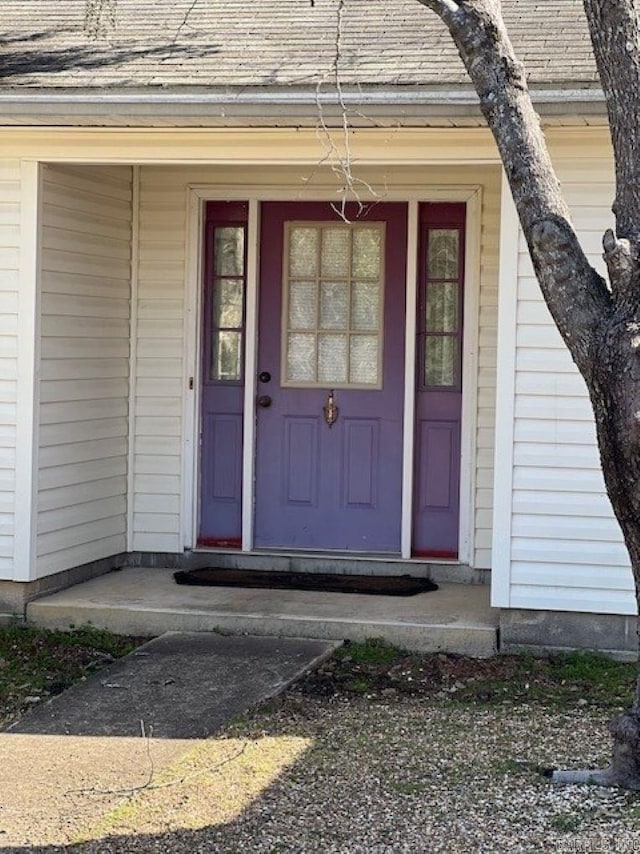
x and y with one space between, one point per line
277 106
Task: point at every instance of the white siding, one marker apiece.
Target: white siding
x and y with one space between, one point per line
566 548
159 372
84 387
9 278
159 369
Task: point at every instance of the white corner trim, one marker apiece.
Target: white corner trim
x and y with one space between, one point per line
505 401
133 350
469 414
250 373
408 441
28 373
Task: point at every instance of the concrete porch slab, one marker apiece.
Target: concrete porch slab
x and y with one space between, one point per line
456 618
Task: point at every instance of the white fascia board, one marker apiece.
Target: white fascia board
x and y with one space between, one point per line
283 102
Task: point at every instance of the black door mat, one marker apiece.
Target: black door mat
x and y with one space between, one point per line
387 585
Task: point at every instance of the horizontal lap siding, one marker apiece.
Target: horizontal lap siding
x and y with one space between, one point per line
9 277
566 549
159 368
84 388
159 372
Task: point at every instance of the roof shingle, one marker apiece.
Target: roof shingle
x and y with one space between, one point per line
272 43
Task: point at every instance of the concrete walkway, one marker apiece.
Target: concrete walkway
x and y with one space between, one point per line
180 685
142 723
456 618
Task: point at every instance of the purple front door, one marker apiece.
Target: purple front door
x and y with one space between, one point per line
332 319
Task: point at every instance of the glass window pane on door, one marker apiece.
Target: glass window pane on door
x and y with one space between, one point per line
333 294
227 302
442 253
335 253
303 252
365 306
442 307
332 359
363 364
440 361
301 358
303 305
367 243
226 356
229 251
334 305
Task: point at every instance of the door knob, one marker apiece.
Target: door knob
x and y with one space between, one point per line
264 401
264 377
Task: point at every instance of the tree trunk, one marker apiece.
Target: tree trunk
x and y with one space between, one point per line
600 324
614 390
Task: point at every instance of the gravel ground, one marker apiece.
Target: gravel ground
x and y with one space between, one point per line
352 774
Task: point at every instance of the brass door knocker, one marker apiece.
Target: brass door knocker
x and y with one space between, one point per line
330 410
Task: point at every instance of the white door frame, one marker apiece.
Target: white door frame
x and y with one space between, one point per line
197 196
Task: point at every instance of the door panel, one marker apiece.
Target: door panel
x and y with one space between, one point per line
223 477
438 443
320 486
360 465
300 460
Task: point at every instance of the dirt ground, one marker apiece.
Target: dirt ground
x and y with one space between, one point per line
376 751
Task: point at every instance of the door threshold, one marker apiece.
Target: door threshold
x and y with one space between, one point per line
392 557
335 562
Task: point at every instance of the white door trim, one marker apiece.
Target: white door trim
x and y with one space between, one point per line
192 337
408 438
250 371
197 196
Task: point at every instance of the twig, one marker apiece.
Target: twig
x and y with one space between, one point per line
99 17
341 163
185 20
149 785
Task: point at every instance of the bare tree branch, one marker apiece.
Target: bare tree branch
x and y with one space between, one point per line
614 28
185 20
340 158
615 34
576 294
99 17
448 10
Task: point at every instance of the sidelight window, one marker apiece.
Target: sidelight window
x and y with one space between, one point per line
441 322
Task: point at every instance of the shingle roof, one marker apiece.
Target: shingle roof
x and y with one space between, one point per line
270 43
